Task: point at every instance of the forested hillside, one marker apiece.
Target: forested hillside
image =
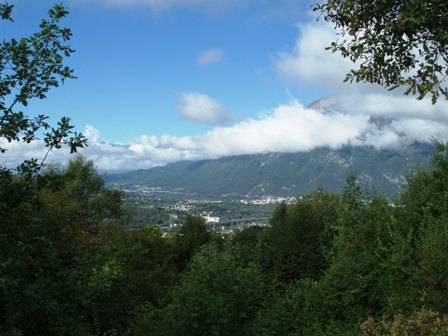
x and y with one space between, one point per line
286 174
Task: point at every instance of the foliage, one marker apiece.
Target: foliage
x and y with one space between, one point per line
81 192
359 266
426 196
395 43
29 68
43 243
329 264
129 268
423 209
298 311
295 245
422 323
433 271
192 235
217 296
245 242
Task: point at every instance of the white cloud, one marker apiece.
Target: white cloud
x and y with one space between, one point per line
210 56
201 108
288 128
392 114
309 62
92 133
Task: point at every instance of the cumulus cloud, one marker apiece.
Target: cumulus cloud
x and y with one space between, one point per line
210 56
308 62
201 108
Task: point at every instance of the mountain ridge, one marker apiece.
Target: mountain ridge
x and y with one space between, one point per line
285 174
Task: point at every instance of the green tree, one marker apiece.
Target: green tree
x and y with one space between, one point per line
296 244
245 244
217 296
45 242
423 212
86 199
190 238
432 271
353 276
426 195
128 269
29 68
395 42
303 310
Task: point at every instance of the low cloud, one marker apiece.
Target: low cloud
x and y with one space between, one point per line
201 108
209 57
290 127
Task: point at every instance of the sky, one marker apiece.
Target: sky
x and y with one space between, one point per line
166 80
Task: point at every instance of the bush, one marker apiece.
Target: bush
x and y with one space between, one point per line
422 323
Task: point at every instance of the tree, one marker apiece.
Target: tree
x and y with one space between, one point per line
295 245
302 309
79 185
192 235
129 269
423 211
245 244
29 68
216 296
46 242
395 42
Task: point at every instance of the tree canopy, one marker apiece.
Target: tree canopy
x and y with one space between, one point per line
395 43
29 68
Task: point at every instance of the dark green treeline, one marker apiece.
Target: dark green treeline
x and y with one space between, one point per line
330 264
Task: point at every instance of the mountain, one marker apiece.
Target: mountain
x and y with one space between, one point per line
285 174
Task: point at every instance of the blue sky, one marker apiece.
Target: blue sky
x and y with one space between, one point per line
166 80
134 61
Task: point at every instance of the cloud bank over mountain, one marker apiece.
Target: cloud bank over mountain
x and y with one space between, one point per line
288 128
352 115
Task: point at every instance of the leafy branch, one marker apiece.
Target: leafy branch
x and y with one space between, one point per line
29 68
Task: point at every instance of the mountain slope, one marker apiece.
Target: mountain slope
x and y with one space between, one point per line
285 174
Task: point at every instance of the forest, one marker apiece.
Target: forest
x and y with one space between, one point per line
352 263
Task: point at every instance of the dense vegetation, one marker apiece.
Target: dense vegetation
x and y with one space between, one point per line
329 264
